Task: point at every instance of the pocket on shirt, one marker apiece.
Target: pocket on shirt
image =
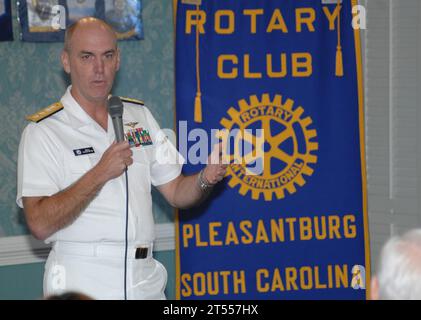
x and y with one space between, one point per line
140 170
79 166
142 154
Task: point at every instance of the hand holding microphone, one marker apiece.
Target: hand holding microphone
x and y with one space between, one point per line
118 156
115 160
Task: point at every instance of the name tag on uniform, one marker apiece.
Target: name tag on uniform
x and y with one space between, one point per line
83 151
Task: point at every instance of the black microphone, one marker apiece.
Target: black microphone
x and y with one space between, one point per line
115 110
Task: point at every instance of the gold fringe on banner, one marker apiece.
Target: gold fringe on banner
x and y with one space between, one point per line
339 57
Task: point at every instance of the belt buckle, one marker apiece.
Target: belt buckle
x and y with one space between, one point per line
141 253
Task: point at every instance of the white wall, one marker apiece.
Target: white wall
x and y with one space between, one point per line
392 58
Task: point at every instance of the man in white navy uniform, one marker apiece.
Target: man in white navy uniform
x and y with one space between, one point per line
71 182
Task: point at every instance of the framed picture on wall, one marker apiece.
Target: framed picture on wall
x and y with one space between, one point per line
124 15
79 9
46 20
6 31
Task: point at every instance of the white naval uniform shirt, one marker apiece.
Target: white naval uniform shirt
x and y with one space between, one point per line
48 164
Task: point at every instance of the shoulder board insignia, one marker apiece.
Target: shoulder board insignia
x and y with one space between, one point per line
135 101
45 113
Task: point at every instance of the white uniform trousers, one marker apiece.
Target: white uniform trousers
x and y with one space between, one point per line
97 270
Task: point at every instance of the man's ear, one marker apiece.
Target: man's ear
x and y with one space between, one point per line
65 61
374 290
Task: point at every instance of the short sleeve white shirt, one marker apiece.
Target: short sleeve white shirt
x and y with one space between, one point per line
56 152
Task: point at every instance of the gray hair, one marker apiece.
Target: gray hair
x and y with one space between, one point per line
399 273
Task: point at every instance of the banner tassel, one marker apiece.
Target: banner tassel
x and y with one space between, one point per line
198 99
198 108
339 57
339 62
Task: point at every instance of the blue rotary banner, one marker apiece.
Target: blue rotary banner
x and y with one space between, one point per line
6 29
282 81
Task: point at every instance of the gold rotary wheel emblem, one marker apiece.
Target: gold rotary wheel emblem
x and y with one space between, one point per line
286 147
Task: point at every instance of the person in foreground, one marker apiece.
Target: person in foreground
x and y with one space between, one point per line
399 271
71 295
72 186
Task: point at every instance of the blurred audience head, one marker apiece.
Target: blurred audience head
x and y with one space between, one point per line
399 269
71 295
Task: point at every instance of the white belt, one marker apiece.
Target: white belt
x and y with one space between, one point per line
141 251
